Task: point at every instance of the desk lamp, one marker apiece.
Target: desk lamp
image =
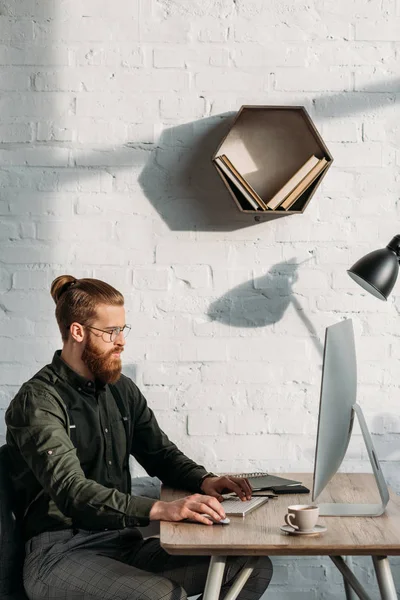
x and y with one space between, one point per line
377 271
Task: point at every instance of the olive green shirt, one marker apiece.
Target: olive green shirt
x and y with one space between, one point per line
69 453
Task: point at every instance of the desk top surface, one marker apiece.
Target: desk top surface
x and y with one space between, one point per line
259 532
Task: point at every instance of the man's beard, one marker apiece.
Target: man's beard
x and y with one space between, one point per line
102 365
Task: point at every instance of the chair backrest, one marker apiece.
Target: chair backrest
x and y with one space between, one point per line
11 542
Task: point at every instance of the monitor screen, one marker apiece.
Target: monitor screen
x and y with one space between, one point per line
338 395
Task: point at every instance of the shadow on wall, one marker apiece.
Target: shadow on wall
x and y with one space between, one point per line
263 301
183 185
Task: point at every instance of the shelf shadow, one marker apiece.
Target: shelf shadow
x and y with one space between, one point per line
182 184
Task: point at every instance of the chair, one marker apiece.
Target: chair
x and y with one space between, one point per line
11 542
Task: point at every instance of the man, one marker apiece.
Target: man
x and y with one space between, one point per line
70 431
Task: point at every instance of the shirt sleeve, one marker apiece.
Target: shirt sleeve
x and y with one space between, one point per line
157 454
38 424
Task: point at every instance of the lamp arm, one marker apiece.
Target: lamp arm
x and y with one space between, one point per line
394 245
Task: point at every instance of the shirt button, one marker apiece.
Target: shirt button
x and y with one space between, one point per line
106 430
79 389
109 462
90 383
49 451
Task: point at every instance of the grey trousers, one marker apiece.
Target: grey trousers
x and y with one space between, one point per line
120 565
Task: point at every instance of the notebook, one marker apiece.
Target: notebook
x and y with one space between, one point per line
264 481
239 508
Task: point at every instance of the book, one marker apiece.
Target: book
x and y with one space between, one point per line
265 481
304 184
290 185
246 184
234 179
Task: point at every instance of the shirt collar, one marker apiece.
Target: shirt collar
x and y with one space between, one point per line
77 381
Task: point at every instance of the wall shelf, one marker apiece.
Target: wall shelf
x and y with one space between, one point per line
268 144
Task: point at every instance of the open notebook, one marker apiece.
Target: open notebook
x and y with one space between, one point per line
264 481
239 508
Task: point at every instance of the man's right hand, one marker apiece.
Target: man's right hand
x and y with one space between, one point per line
190 507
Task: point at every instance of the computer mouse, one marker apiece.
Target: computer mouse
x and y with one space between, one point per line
225 521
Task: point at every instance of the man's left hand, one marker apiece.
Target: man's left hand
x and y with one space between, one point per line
215 486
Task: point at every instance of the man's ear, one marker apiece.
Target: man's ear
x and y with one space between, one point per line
77 332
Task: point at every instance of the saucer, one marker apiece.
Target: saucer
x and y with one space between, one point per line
316 530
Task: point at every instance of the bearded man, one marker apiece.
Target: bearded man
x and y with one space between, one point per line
70 431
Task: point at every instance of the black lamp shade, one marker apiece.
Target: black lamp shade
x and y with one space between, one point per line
377 271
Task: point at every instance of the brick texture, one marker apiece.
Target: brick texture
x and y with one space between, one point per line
110 113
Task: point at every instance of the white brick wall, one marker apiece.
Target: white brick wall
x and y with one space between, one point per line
110 113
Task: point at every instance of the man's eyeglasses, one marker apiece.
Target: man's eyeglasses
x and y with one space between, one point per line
113 332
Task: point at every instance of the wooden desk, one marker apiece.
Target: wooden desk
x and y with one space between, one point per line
259 533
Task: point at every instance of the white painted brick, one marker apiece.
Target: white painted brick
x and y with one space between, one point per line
170 374
93 105
86 29
312 80
377 79
54 132
384 29
175 107
206 423
163 351
30 280
159 398
223 80
33 104
210 396
250 422
269 55
211 30
110 55
14 79
155 278
168 57
8 231
41 204
15 31
345 52
5 280
153 28
47 156
347 130
27 230
34 55
35 254
182 253
204 351
193 277
357 155
75 230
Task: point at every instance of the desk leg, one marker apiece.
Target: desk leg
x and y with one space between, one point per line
384 577
214 578
350 594
240 580
351 579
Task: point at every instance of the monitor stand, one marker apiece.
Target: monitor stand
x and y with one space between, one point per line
361 510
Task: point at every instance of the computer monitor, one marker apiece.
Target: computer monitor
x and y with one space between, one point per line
337 409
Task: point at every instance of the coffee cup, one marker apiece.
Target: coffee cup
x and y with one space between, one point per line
302 517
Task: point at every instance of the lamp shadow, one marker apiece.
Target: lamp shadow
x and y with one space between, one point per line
264 301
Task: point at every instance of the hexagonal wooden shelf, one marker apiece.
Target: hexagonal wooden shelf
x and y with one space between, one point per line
267 145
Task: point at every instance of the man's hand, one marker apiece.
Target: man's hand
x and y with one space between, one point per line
215 486
191 507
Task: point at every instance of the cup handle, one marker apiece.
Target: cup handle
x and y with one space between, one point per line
288 521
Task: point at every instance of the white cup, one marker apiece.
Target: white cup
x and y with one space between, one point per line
302 517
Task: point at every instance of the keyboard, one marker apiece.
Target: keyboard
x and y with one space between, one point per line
236 507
